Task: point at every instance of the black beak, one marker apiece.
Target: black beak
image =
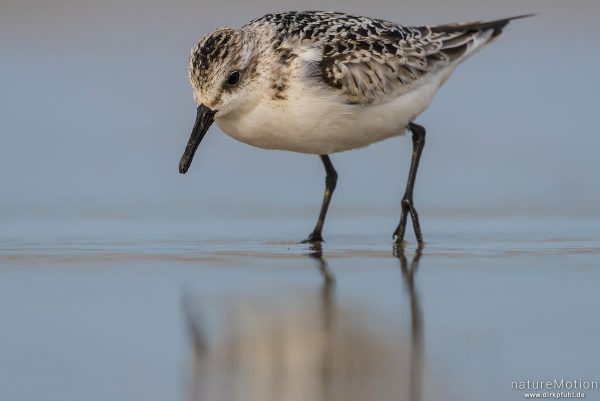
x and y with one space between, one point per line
204 120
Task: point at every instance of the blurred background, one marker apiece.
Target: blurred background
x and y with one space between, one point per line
96 111
121 279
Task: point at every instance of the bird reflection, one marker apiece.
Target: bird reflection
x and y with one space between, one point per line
306 346
416 324
316 252
327 297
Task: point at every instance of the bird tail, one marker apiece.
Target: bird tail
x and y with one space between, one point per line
495 26
458 41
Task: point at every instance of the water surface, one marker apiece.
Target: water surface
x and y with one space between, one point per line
128 310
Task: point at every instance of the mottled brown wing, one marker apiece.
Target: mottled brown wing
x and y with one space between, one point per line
368 66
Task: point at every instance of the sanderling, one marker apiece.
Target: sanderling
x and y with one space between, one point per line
326 82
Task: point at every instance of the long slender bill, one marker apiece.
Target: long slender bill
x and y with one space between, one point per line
204 120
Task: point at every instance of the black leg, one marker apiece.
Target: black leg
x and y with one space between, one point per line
418 139
330 181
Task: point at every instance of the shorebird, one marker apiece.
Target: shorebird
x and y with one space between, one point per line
327 82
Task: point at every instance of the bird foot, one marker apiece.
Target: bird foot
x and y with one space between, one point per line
398 237
408 209
314 237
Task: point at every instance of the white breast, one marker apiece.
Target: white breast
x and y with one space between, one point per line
313 120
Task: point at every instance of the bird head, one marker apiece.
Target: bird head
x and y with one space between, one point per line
222 71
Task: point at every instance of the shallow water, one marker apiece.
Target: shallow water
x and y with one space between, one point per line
129 310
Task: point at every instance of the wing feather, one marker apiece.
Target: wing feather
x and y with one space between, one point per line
376 68
369 61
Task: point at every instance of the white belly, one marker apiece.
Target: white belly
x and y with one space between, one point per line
314 121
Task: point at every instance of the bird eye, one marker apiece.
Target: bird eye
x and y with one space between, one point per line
233 78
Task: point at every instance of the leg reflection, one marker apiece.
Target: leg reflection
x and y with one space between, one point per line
328 311
416 356
316 252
